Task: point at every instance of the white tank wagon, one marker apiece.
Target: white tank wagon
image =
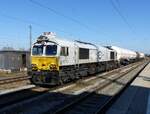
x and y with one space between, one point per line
124 56
56 60
142 55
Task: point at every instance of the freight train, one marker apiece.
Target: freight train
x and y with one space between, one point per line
56 61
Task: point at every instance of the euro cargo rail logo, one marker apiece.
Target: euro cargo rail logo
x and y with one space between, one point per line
100 55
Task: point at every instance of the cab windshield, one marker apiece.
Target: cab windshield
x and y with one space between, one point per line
51 50
37 50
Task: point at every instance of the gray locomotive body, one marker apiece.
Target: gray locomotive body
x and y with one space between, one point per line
56 60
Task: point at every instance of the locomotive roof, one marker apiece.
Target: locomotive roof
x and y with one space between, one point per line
65 42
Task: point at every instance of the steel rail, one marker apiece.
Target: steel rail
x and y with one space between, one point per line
13 79
85 96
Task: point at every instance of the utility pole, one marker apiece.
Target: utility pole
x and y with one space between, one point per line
30 36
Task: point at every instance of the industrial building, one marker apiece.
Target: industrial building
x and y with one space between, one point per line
14 60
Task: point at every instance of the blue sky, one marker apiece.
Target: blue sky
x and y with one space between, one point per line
103 23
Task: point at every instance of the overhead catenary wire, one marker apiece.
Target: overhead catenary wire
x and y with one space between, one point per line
29 22
45 26
19 19
121 15
117 1
60 14
68 17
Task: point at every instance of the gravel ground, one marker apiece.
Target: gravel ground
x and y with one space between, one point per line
114 87
14 85
92 103
13 74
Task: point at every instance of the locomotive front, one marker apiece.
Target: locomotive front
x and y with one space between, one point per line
45 61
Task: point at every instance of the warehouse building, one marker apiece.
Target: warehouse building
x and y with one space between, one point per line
14 60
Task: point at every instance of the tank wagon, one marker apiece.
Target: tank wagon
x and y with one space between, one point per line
141 55
55 60
124 56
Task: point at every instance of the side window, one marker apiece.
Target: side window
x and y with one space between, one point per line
64 51
112 55
83 53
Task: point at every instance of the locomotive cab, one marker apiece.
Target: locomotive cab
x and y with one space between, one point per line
44 62
44 57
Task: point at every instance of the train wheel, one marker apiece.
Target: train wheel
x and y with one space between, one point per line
34 79
92 70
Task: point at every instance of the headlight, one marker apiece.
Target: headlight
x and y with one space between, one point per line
34 66
53 67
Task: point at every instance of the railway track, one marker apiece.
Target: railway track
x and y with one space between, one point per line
22 78
93 103
13 79
27 99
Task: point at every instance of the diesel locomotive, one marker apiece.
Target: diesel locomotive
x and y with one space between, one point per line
55 60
